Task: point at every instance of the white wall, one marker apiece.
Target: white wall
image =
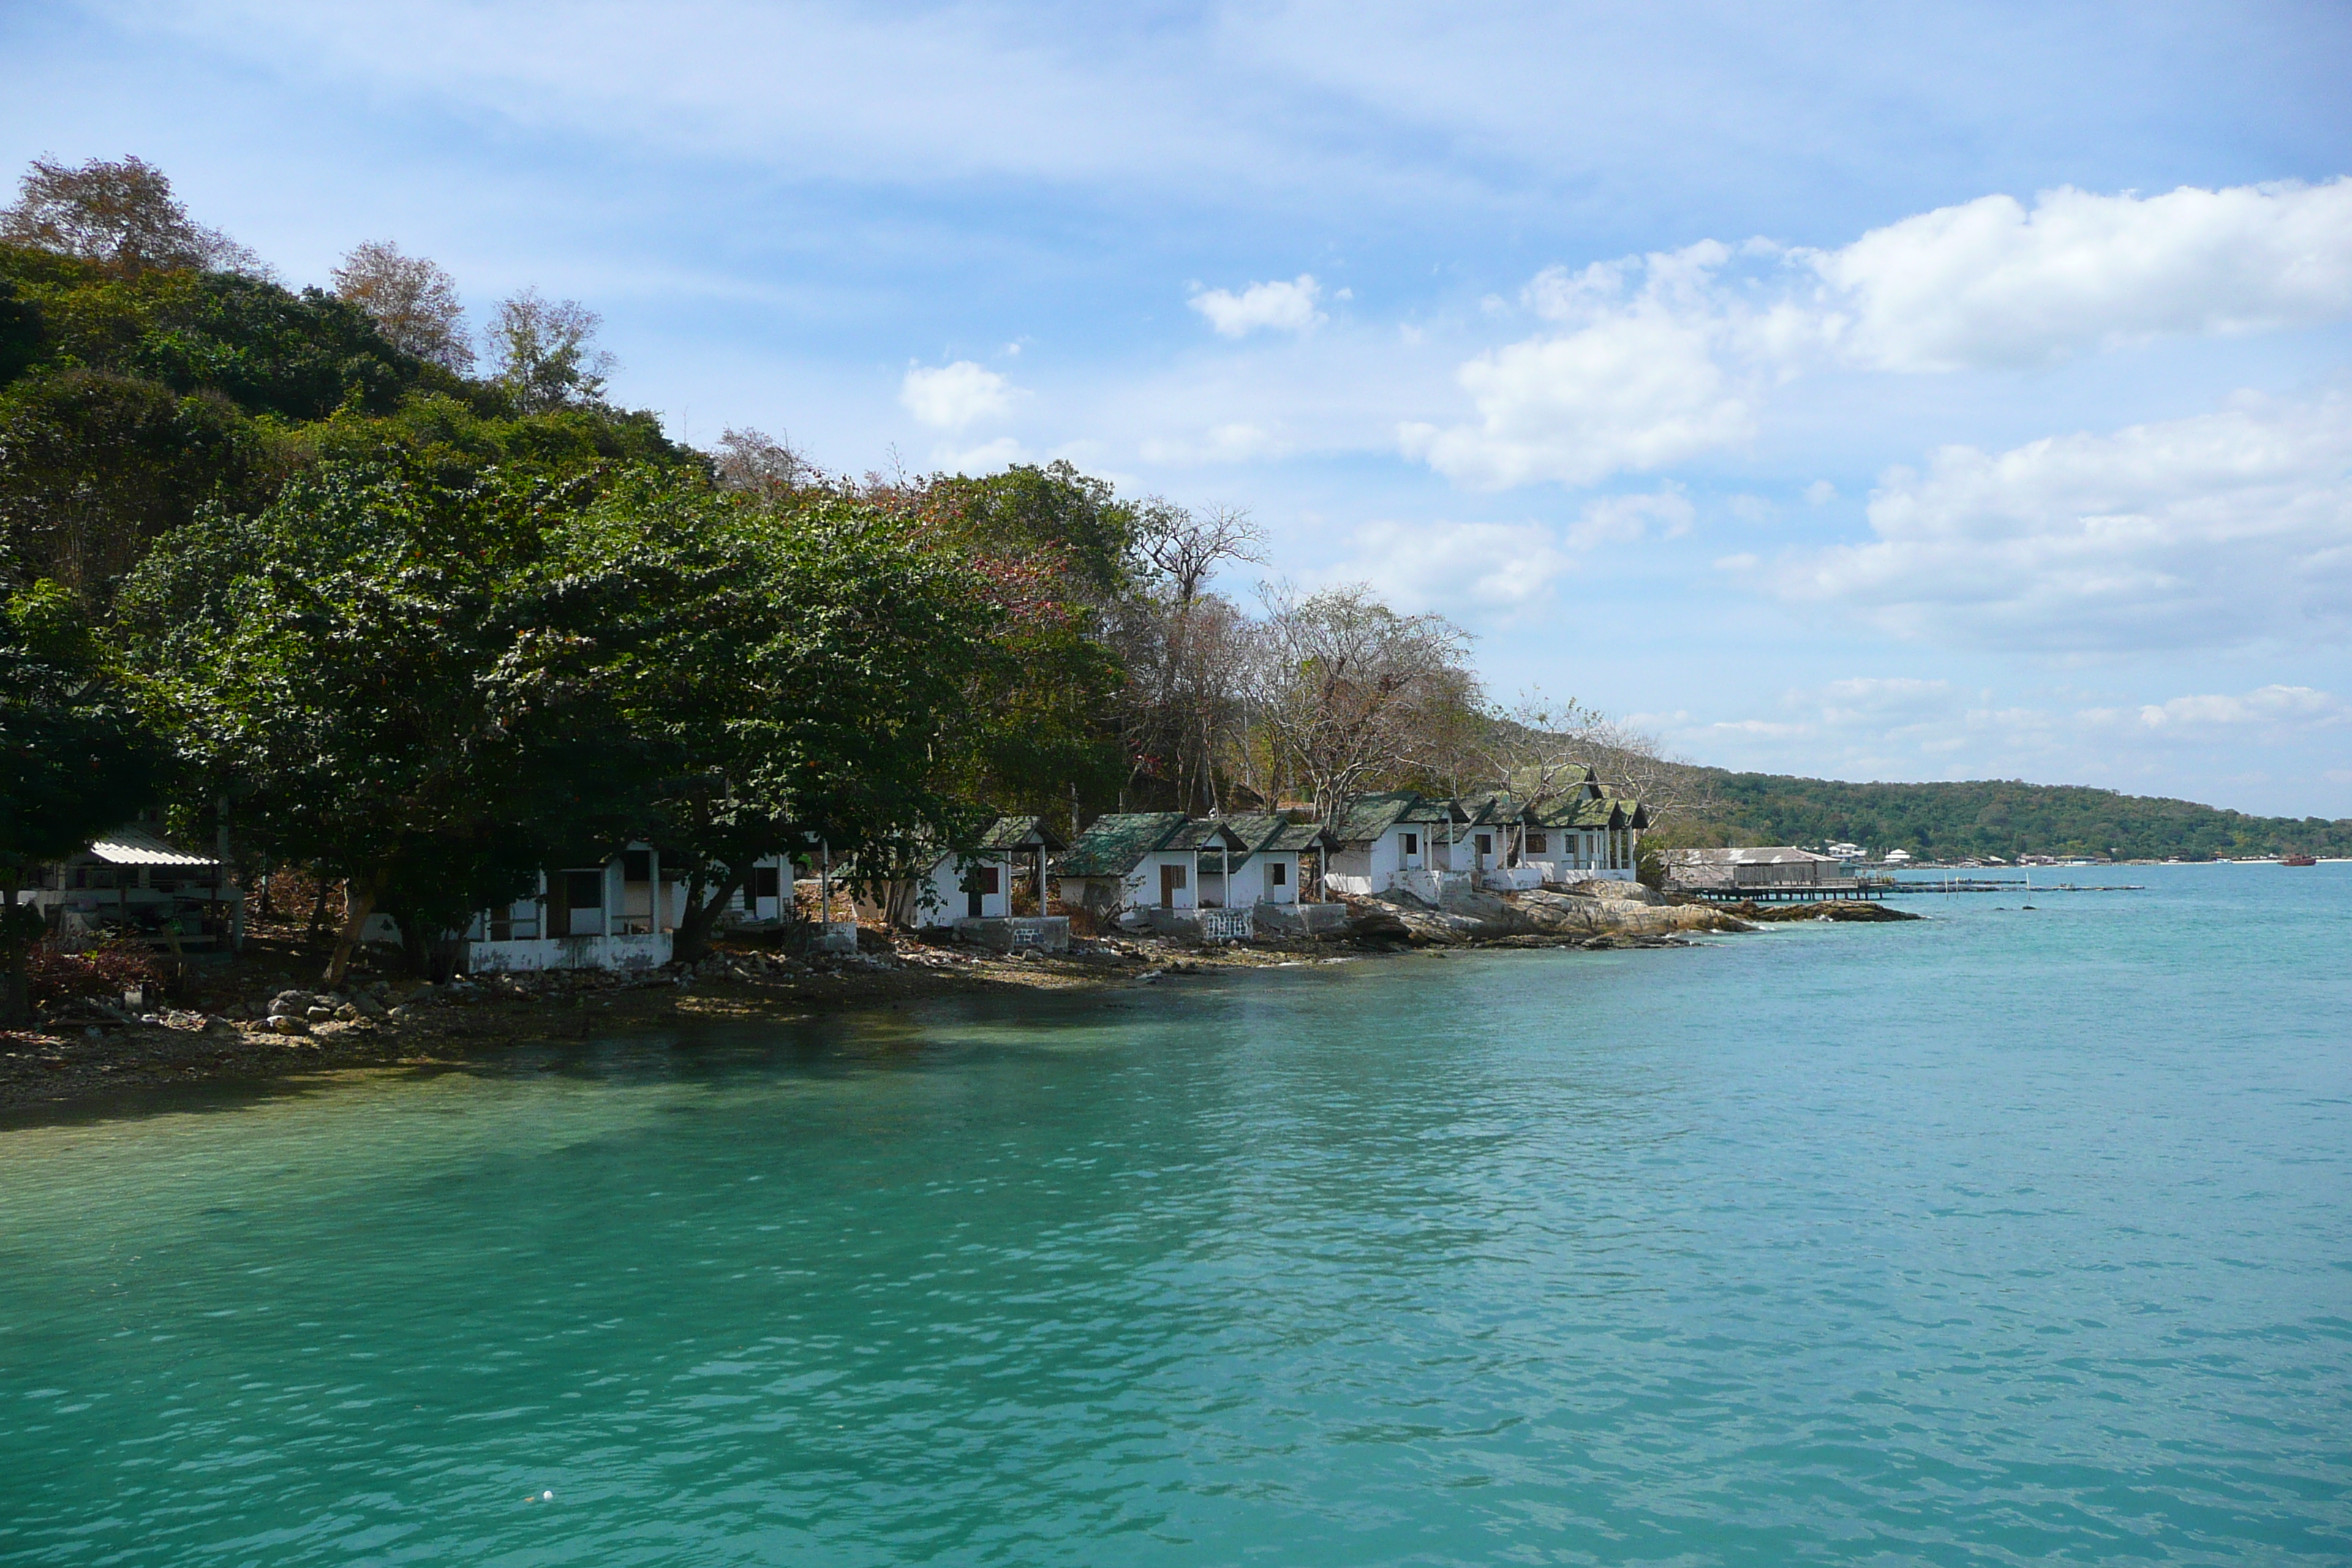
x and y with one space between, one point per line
942 900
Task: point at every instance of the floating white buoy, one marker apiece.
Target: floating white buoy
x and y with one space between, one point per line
547 1497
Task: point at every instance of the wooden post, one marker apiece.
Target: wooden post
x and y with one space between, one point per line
823 883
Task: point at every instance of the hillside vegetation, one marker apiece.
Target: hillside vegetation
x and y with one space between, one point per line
1993 817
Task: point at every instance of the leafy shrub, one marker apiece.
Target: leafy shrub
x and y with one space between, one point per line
108 970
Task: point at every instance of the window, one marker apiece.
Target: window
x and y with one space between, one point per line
1412 843
1538 844
518 922
1277 874
1485 845
638 866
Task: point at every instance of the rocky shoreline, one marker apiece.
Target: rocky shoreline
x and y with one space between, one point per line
253 1023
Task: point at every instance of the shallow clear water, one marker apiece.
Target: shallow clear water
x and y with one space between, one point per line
2010 1236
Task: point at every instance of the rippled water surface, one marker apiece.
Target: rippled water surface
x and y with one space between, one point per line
2015 1236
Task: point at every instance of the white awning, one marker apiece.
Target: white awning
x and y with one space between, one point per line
135 845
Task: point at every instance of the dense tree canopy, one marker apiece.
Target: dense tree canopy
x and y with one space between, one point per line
2003 817
74 759
367 672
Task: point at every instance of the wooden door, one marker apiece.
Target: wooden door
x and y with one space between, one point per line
1171 879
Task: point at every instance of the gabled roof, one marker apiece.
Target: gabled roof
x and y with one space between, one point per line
1566 812
1365 817
1592 814
1481 807
1116 843
1021 833
1267 833
1568 779
1256 828
1208 833
1294 836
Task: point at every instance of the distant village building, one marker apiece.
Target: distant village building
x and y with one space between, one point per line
1775 871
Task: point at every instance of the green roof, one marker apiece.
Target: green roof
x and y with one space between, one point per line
1266 833
1116 843
1366 817
1209 832
1021 833
1294 836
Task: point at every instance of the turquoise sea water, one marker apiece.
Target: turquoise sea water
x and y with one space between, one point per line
2007 1236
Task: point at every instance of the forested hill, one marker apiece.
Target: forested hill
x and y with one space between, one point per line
1997 817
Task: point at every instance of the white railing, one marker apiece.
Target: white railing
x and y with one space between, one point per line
1227 925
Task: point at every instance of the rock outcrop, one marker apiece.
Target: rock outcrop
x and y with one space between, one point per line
1470 916
1823 909
1575 915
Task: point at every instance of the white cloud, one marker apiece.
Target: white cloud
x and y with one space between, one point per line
2208 532
1621 519
1281 307
1990 283
952 396
1455 566
1237 441
1882 699
1655 360
2297 706
1635 385
984 459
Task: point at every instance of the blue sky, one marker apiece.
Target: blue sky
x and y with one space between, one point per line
1875 391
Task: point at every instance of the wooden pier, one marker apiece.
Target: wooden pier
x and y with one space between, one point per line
1843 891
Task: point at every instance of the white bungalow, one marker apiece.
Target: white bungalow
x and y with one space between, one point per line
977 883
1576 831
1271 870
1134 861
767 895
1376 838
620 914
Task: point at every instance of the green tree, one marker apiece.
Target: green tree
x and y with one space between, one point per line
371 673
809 667
95 466
543 354
1053 518
74 760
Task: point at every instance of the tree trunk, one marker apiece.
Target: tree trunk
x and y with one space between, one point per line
317 915
691 940
360 903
